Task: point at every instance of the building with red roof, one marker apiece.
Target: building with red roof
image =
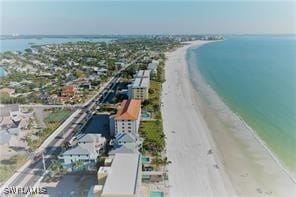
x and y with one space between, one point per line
127 118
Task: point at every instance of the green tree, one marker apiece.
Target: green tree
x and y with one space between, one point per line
77 164
56 166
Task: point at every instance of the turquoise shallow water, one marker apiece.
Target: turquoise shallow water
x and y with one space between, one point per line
256 77
22 44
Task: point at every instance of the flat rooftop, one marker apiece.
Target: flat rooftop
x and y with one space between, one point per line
143 74
6 109
123 175
104 169
141 82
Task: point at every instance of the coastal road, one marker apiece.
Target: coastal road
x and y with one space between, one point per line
29 174
50 106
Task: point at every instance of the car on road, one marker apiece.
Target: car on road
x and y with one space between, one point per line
38 156
59 137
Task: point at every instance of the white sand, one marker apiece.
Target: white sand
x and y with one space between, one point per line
239 164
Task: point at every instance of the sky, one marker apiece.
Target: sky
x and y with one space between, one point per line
147 17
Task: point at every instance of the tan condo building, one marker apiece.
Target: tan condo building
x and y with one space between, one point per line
127 118
140 86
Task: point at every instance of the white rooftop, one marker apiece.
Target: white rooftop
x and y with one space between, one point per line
122 178
109 159
104 169
141 83
143 74
90 137
152 66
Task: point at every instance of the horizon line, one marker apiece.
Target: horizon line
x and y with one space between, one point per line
152 34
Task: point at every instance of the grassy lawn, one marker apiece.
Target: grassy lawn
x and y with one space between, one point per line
8 167
154 94
152 131
153 136
53 121
153 104
57 116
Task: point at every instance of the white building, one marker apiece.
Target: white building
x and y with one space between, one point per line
85 148
152 67
126 143
127 138
140 86
122 179
143 74
127 118
11 117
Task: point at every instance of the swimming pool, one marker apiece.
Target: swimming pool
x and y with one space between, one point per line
146 115
156 194
145 159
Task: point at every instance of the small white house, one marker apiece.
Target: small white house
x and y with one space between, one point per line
85 148
152 67
126 143
126 138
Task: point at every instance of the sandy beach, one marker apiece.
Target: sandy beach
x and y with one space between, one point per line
213 152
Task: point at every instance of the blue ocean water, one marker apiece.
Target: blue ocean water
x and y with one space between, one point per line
22 44
256 77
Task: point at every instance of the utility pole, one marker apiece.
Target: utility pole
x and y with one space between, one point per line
43 162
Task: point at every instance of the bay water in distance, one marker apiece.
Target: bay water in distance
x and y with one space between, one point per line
20 44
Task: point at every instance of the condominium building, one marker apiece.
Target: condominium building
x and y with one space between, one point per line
121 179
127 118
140 86
143 74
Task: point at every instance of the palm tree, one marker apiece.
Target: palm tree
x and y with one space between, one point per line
166 161
156 161
56 166
77 164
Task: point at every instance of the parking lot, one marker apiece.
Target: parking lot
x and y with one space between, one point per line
70 185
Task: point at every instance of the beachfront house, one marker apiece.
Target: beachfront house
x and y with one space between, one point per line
86 148
127 118
152 67
125 143
126 138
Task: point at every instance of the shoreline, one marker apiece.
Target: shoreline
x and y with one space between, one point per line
280 163
253 132
245 165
